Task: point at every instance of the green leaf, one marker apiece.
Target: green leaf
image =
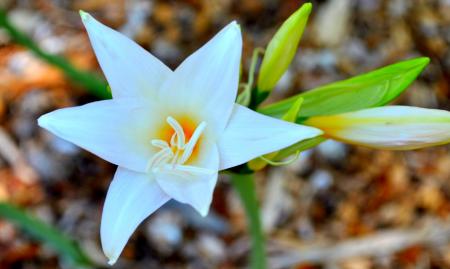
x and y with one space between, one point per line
372 89
64 246
293 112
91 82
245 187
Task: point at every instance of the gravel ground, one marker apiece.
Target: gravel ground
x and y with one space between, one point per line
338 206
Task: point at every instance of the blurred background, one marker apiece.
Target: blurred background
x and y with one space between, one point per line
337 206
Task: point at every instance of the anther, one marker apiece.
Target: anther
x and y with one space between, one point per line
192 142
178 130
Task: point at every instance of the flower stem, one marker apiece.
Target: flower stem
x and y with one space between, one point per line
245 97
245 186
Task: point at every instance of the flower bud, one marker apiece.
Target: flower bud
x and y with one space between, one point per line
281 49
390 127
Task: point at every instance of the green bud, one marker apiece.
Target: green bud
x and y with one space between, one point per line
281 49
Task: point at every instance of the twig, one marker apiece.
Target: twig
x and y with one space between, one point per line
376 245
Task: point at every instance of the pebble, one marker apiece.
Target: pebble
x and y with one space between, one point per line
165 50
420 94
44 213
398 8
94 251
137 14
25 20
332 23
311 60
286 82
333 151
165 230
7 232
305 229
51 166
212 222
63 147
211 247
302 165
321 180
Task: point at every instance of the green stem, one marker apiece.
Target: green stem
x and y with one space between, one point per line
91 82
245 97
245 186
63 245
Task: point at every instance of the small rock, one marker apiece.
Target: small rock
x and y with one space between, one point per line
211 223
305 229
47 165
421 95
63 147
398 8
303 164
212 248
165 230
334 151
321 180
137 13
286 82
332 23
44 213
94 251
7 232
310 60
165 50
25 20
357 263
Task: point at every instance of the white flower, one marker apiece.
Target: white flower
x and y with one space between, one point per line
390 127
170 132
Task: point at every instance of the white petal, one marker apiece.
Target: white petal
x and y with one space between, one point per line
250 134
130 70
131 198
117 131
196 191
207 81
390 127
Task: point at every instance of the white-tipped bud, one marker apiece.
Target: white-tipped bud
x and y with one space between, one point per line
390 127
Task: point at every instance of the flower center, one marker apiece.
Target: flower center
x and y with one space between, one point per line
174 153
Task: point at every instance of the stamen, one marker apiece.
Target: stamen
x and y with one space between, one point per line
194 169
172 140
186 169
163 158
171 156
178 130
159 143
155 160
192 142
175 158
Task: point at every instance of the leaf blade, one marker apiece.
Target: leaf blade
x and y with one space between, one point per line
43 232
372 89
